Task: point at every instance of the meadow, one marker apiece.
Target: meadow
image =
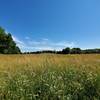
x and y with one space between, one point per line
50 77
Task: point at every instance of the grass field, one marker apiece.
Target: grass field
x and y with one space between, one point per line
50 77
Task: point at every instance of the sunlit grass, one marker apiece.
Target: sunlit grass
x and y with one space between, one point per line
50 77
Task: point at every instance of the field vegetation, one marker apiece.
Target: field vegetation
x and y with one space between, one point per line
50 77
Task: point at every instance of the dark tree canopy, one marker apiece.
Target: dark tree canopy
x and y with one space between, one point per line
75 51
66 50
7 45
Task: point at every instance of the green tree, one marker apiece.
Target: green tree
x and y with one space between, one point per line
7 45
66 50
75 51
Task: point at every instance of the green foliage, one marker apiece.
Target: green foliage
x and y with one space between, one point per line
52 84
89 51
66 50
7 45
75 51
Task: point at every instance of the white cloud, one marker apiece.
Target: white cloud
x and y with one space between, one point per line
19 43
43 44
17 40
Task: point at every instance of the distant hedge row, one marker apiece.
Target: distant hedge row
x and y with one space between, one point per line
68 51
78 51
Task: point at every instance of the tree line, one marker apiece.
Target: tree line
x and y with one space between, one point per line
68 51
8 46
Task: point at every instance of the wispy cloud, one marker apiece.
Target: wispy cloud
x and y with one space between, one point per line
17 40
19 43
43 44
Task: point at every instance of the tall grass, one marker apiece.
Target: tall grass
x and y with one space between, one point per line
49 77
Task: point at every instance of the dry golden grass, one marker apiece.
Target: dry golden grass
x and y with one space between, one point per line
13 63
49 77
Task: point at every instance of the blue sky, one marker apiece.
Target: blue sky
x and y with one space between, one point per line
52 24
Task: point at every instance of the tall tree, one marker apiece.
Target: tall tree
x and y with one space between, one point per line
75 51
66 50
7 45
